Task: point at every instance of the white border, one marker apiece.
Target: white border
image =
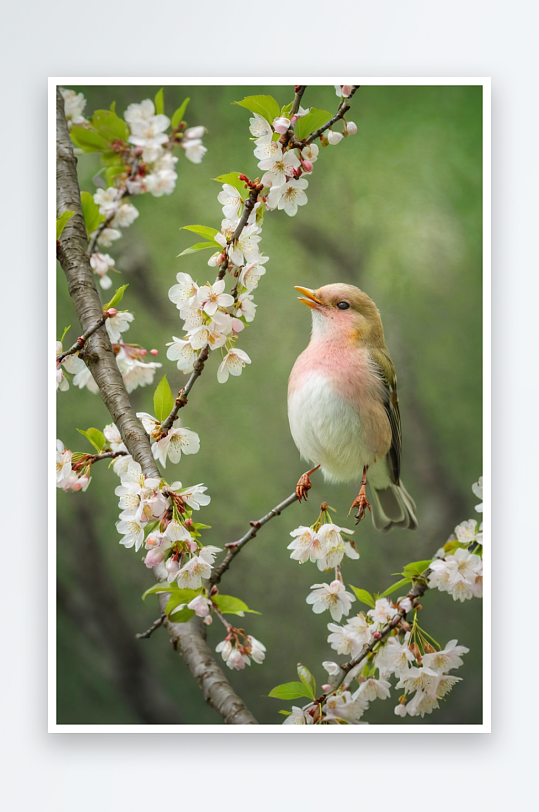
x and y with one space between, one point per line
485 727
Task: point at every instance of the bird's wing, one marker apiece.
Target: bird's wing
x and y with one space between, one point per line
391 404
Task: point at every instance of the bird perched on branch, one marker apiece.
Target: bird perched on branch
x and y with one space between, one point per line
343 407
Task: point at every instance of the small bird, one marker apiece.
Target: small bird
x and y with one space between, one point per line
343 407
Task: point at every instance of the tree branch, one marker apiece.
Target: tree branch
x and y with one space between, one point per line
344 107
234 547
100 359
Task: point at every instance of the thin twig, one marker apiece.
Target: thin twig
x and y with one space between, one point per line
81 340
155 625
297 99
235 546
247 209
89 459
344 107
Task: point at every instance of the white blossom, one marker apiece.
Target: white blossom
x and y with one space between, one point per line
345 707
331 596
466 532
74 104
260 129
298 717
279 167
84 378
245 307
246 247
211 297
231 201
125 215
177 441
107 236
477 488
332 668
446 659
373 689
101 264
382 613
107 199
135 372
334 137
310 153
200 605
195 496
394 657
118 324
258 650
250 275
182 352
194 150
232 364
184 292
334 546
133 533
161 183
457 574
306 545
288 196
343 90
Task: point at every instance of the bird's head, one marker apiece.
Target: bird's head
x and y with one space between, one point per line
345 313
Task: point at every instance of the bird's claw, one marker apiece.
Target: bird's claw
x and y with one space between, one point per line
304 484
362 503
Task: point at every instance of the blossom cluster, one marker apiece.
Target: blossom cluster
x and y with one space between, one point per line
135 371
237 649
67 477
146 163
169 445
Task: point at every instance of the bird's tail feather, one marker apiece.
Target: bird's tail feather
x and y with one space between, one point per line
393 507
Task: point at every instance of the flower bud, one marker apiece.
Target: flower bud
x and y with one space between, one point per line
281 124
154 352
307 166
194 132
200 605
377 635
193 546
351 128
153 558
293 120
112 312
189 523
208 620
334 137
237 325
172 565
326 687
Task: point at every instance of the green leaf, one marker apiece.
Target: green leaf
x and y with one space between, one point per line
110 126
159 102
204 231
64 333
289 690
308 680
394 587
88 140
153 590
415 568
311 122
233 178
177 118
363 596
113 172
265 106
111 158
180 596
90 211
285 713
61 222
163 401
117 298
113 107
199 246
181 615
229 605
285 111
96 437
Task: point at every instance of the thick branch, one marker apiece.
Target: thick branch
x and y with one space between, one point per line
189 638
100 359
235 546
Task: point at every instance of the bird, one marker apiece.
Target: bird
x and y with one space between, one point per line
343 407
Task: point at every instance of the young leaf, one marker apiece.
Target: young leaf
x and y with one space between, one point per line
199 246
285 111
117 298
307 679
204 231
96 437
233 178
179 597
113 107
229 605
90 211
394 587
289 690
177 118
363 596
113 172
110 126
154 590
88 140
311 122
415 568
285 713
163 401
64 333
61 222
265 106
159 102
181 615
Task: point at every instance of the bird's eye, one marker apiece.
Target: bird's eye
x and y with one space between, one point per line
343 305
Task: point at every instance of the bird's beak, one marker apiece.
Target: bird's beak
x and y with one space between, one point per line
310 299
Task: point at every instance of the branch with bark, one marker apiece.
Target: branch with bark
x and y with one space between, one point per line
99 357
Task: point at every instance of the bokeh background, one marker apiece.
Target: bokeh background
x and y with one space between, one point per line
395 210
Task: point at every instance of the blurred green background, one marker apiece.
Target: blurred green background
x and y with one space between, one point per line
395 210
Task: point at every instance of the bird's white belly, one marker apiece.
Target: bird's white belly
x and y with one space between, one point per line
328 430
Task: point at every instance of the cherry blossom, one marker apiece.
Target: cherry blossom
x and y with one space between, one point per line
233 364
195 496
107 236
446 659
466 532
373 689
135 372
344 706
334 546
231 200
343 90
351 128
260 129
477 488
125 215
133 532
306 545
118 324
161 183
394 657
334 137
279 167
331 596
184 292
382 613
257 649
251 273
288 196
459 574
211 297
101 264
107 200
181 351
177 441
246 307
310 153
74 104
281 124
298 716
200 605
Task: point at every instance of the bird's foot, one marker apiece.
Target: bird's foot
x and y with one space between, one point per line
361 502
304 484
